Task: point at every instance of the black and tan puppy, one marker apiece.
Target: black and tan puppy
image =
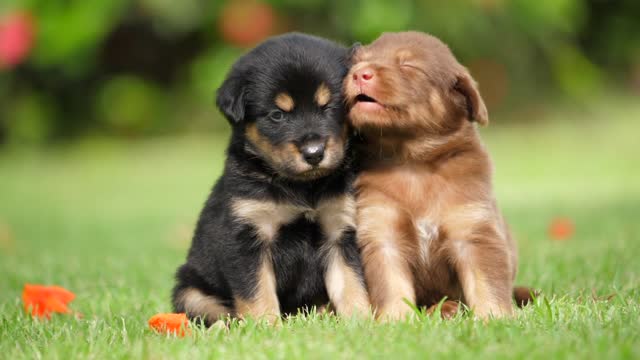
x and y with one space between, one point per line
277 232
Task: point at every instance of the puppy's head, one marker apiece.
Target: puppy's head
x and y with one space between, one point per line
410 82
284 99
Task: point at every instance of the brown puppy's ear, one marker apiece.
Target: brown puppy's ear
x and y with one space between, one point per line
475 105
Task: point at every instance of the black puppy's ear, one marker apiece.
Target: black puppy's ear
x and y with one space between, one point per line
353 49
477 110
230 99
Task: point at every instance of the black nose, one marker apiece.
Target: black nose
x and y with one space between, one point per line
313 152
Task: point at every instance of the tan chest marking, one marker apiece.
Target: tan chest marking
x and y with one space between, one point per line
413 187
427 232
334 215
265 216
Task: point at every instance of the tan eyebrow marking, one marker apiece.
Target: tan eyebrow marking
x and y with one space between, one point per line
285 102
323 95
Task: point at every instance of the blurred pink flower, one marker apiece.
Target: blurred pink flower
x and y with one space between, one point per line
17 34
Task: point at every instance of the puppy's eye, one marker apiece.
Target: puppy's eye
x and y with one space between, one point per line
412 67
276 115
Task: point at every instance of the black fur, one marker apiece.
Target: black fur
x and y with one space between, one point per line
223 258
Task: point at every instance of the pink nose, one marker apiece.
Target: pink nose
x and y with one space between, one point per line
363 75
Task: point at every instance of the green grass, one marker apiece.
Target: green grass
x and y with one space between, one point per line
111 221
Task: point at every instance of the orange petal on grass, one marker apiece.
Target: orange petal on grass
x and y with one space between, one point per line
177 324
561 229
42 300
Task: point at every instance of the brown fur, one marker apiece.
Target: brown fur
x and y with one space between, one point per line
448 310
427 219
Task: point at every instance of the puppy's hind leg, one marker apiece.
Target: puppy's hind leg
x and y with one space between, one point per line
197 305
189 298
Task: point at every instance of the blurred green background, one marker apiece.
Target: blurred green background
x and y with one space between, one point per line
137 68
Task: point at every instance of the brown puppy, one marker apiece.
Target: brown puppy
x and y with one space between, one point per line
427 219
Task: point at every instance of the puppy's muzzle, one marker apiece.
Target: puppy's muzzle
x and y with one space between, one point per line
313 151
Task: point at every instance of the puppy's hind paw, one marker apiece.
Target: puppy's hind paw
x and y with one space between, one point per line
448 310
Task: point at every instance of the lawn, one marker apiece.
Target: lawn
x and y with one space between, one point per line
111 221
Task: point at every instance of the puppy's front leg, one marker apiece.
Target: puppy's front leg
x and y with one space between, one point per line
483 267
343 274
344 279
251 271
385 259
262 303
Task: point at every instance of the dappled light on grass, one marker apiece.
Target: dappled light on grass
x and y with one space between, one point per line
41 301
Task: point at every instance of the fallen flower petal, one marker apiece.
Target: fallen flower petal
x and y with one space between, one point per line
41 301
177 324
561 229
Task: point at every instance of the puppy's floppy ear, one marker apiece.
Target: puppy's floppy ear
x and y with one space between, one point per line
476 108
230 99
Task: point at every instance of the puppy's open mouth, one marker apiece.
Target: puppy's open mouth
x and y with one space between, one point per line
364 102
365 98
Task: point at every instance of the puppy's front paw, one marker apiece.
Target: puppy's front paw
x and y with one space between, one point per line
493 311
359 309
397 312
